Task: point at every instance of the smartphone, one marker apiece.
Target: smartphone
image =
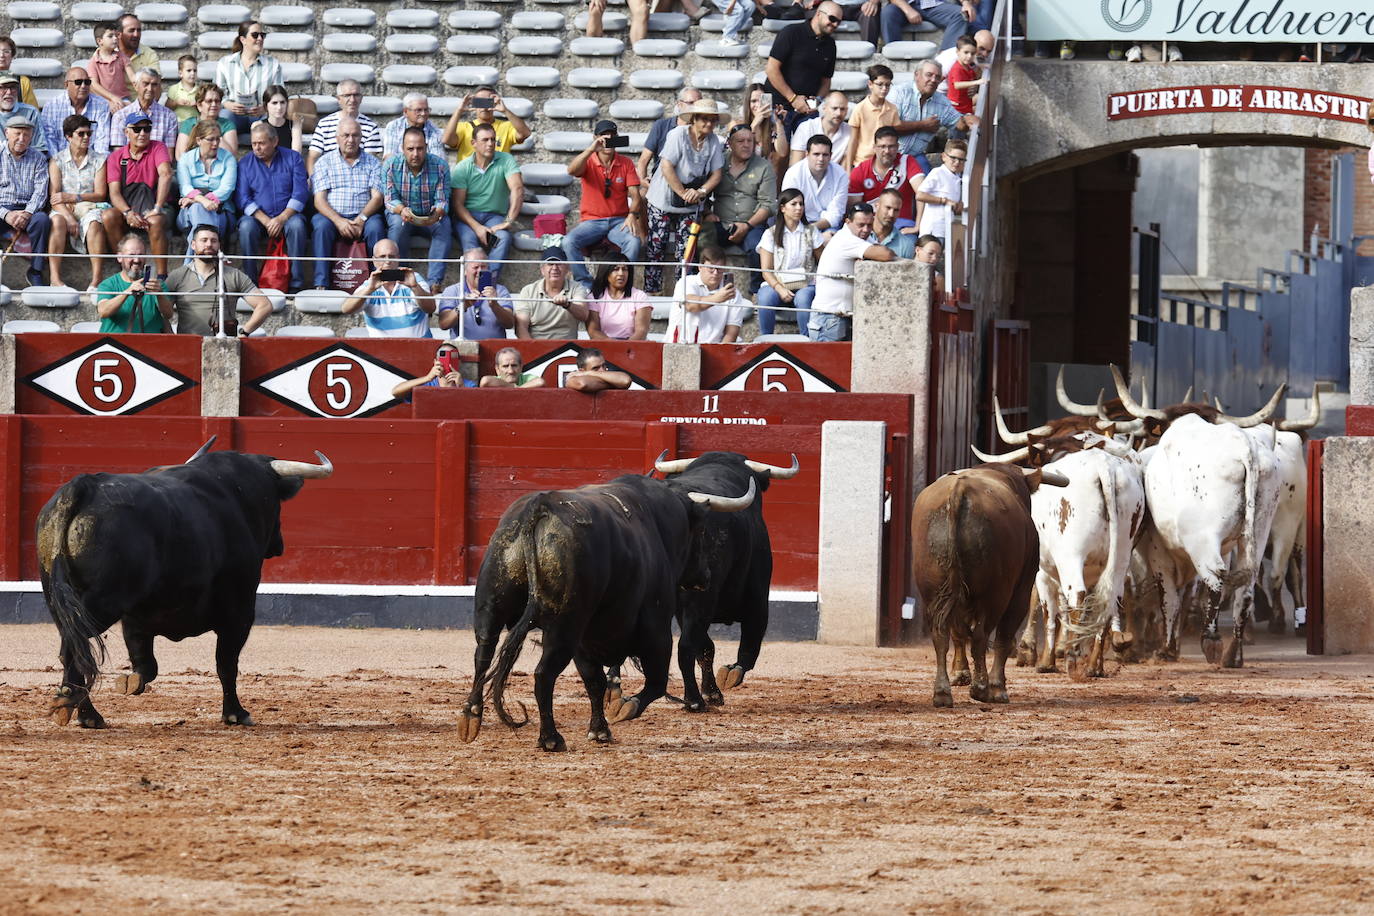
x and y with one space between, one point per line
484 280
147 272
727 278
392 273
482 101
617 142
446 361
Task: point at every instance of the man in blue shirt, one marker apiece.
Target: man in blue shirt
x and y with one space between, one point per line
271 195
923 111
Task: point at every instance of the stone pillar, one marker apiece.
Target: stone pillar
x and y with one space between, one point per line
1348 525
681 367
850 574
219 376
468 353
9 378
891 350
1362 345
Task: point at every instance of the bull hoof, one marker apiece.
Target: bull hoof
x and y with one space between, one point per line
961 679
714 698
469 724
622 710
1276 625
942 698
998 695
694 705
613 693
1166 655
1122 642
129 684
1047 669
600 735
553 744
93 720
1234 654
238 718
62 706
729 676
62 715
1211 650
1025 657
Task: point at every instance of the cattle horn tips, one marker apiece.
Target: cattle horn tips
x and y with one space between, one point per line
203 449
1053 478
1188 396
1129 401
772 470
676 466
726 503
1073 407
1009 458
1261 415
304 469
1314 414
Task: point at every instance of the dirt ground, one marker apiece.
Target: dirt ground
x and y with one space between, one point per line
827 784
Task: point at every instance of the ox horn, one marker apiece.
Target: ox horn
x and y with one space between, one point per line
1187 396
1011 438
303 469
1259 416
1009 458
1145 400
1053 478
772 470
676 466
1130 403
1314 415
1074 408
203 449
725 503
1216 402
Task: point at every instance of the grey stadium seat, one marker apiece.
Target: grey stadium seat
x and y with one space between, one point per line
412 19
38 68
321 301
350 18
384 106
533 21
597 47
32 11
464 44
718 50
286 16
571 109
475 20
289 41
637 109
90 13
350 43
594 78
532 77
50 297
304 330
223 14
610 22
719 80
671 80
38 38
30 326
337 73
216 41
546 203
546 174
471 76
163 13
669 22
85 327
909 50
410 75
534 46
661 47
567 141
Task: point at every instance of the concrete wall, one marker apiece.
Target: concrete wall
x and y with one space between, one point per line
1234 185
1348 520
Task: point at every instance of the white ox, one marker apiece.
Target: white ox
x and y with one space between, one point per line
1288 536
1212 490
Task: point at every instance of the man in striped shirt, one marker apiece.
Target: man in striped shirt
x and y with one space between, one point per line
147 91
417 192
350 96
77 100
348 201
24 191
392 308
415 113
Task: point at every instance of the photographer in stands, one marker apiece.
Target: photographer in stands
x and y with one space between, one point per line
611 208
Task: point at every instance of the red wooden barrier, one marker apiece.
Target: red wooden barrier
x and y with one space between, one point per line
1316 561
1359 420
104 375
796 367
291 377
554 359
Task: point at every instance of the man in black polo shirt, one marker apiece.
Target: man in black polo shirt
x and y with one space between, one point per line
802 62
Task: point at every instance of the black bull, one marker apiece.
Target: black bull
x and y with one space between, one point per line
597 570
173 552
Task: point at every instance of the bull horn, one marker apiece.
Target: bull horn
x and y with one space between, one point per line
303 469
1216 402
1130 403
203 449
1053 478
676 466
1009 458
1314 415
1011 438
1074 408
1187 396
1145 400
772 470
725 503
1261 415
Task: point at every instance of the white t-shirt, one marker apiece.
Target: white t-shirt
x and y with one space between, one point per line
825 199
706 326
394 314
941 182
839 141
797 246
841 253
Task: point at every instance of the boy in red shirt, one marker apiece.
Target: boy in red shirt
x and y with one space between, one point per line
111 74
964 78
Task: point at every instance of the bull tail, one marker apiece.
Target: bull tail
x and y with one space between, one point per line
953 591
82 649
1105 597
515 639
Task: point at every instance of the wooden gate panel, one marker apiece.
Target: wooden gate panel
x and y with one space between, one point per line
1008 378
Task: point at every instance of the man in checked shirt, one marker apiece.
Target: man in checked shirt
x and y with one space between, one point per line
24 191
416 201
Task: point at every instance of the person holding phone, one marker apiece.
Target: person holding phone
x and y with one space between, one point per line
443 374
476 307
484 104
394 302
127 302
612 206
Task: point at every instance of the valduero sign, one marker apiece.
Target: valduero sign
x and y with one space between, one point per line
1147 103
1297 21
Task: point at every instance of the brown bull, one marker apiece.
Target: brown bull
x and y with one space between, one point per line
975 554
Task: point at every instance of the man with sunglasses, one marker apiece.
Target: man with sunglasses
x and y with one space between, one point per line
802 62
78 100
10 105
140 179
612 207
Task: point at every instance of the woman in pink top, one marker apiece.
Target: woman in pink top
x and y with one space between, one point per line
617 310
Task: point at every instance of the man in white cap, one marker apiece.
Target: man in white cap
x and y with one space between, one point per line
10 105
24 191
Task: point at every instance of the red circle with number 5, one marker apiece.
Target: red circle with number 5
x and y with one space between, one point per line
338 386
105 381
774 375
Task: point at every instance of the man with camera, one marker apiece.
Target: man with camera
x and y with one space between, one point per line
395 302
127 302
487 194
611 203
484 104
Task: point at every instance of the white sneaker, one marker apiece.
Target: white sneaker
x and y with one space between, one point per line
1133 54
728 42
1175 53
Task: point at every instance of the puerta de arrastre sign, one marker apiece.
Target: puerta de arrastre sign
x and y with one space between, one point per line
1145 103
1298 21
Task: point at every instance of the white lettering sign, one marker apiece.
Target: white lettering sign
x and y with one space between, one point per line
1298 21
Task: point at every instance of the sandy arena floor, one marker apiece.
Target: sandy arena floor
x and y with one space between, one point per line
828 784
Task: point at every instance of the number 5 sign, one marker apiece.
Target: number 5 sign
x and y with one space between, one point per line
336 382
107 379
775 369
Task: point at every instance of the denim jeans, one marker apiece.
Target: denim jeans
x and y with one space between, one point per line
253 239
739 18
948 16
588 233
324 235
440 237
769 298
37 233
825 326
467 238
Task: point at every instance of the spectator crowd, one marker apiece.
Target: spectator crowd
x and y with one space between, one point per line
797 187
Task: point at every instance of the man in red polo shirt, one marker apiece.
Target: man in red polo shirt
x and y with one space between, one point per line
140 181
886 170
612 207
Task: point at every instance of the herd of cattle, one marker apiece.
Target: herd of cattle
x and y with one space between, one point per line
1099 515
1091 513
